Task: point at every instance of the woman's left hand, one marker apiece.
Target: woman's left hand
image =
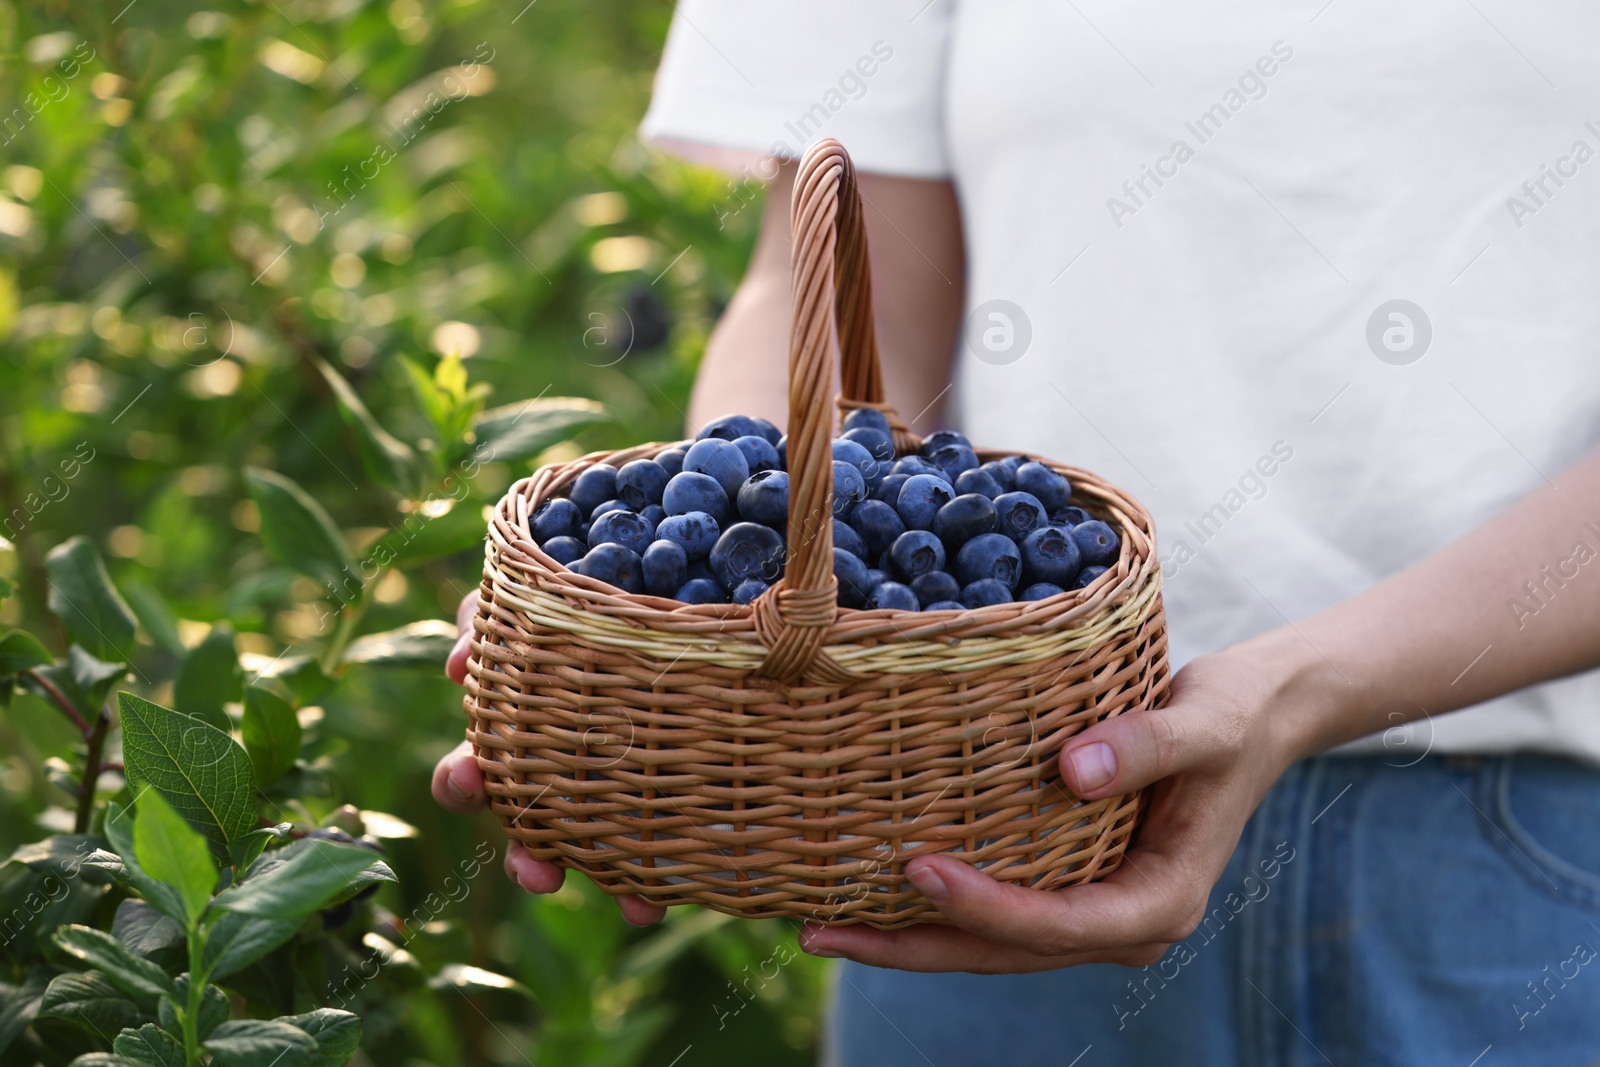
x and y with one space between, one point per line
1212 752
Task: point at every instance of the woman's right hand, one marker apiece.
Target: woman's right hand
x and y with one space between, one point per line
458 787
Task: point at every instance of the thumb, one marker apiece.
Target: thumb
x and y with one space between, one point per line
1137 749
455 667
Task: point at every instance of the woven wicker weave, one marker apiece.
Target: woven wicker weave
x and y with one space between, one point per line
789 757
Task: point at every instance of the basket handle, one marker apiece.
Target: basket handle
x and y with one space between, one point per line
831 294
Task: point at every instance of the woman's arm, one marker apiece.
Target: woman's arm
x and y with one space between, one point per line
914 233
1439 636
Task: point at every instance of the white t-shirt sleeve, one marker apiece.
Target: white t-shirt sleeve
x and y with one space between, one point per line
742 79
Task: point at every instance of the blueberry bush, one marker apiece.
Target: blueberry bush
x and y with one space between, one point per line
289 293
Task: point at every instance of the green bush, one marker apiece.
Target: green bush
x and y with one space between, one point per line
277 325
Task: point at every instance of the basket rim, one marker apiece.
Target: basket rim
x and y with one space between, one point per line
510 546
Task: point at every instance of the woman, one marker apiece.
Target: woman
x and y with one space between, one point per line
1317 285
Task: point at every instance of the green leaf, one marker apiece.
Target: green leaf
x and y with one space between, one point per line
20 650
59 854
420 538
168 849
144 929
88 1000
259 1043
153 613
235 941
244 851
301 676
426 643
136 976
197 768
92 679
316 874
20 1003
470 979
104 1059
384 458
149 1045
213 1008
119 831
434 403
295 528
337 1034
88 605
271 732
517 431
208 679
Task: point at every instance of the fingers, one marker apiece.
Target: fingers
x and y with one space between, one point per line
534 876
1131 751
948 948
458 782
638 911
455 666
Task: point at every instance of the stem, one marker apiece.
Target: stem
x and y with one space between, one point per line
349 618
61 699
91 771
197 989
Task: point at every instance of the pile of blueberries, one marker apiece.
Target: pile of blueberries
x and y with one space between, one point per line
704 522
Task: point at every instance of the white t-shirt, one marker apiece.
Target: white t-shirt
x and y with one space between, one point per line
1204 213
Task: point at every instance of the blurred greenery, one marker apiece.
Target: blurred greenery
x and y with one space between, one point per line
325 249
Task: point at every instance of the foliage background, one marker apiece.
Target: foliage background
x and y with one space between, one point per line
216 200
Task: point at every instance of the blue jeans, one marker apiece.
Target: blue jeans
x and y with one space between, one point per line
1445 913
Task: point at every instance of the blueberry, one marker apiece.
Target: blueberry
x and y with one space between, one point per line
885 563
655 513
747 550
854 581
556 518
759 455
945 605
765 428
671 460
849 488
1011 463
623 528
915 553
639 483
605 506
1001 472
1053 490
1019 514
878 524
867 418
939 438
1097 543
698 568
935 586
1071 516
764 498
964 518
921 498
1088 575
846 538
695 532
857 456
917 465
888 490
989 555
1039 591
953 459
690 491
564 549
701 591
728 428
978 481
1049 555
614 564
665 568
782 445
876 442
748 590
985 592
876 576
594 486
894 595
721 460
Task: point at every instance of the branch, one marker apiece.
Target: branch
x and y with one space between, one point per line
91 772
61 699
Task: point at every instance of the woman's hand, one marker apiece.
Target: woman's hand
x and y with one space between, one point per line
458 787
1213 752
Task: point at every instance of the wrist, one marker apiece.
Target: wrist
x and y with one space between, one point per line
1307 704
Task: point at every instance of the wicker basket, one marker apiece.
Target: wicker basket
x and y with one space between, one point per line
787 758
